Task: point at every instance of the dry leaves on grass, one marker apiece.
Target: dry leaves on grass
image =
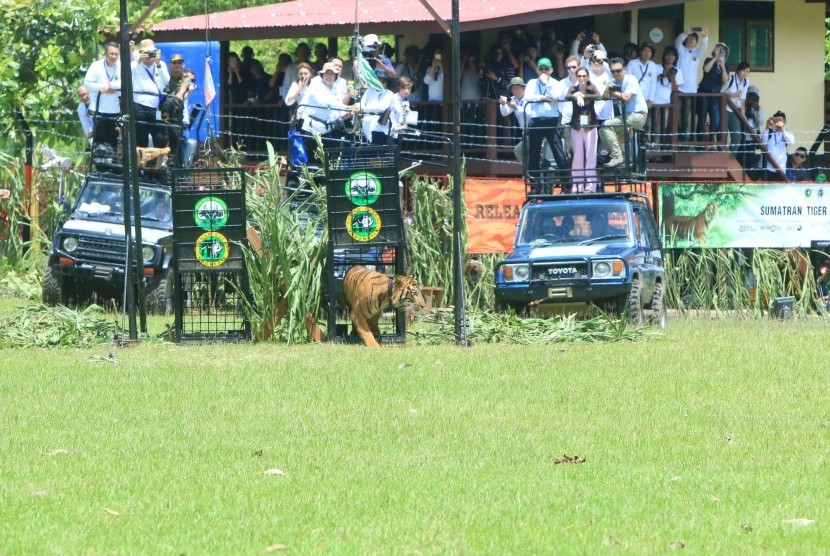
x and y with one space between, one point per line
273 472
800 521
59 452
275 548
111 512
676 545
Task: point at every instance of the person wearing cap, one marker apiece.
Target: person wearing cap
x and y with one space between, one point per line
689 53
585 46
543 95
321 108
735 90
715 78
644 70
626 89
103 81
515 104
150 77
175 109
373 51
376 107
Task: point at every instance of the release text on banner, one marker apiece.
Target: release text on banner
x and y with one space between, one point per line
493 207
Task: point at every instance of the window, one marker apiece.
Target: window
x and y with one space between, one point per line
748 27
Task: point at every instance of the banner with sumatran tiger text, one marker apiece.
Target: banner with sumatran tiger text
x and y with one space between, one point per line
493 207
778 215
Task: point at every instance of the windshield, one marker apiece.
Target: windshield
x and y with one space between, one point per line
105 200
571 224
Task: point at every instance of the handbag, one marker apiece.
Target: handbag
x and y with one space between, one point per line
297 155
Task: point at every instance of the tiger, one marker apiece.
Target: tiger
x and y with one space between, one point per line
368 293
691 227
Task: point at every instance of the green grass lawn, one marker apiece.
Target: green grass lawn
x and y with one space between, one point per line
713 436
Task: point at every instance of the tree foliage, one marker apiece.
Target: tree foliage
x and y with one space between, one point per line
46 45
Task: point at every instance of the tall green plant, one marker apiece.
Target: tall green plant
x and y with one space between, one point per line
289 274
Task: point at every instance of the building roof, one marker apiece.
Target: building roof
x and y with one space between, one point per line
336 18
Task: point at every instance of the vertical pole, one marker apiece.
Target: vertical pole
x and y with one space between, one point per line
455 153
129 165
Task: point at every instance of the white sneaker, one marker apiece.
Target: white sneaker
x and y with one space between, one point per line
616 161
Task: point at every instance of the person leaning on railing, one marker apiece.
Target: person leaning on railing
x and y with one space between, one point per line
624 88
583 132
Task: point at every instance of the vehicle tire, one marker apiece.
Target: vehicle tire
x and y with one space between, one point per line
635 304
160 298
658 307
52 291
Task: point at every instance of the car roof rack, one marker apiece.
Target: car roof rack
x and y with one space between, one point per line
629 195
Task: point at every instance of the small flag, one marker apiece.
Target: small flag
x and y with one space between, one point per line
366 74
210 88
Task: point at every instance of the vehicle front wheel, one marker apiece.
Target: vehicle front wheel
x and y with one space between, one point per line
635 304
160 298
658 307
52 291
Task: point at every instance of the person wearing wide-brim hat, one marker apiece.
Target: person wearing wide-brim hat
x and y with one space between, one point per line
376 106
320 105
515 105
150 77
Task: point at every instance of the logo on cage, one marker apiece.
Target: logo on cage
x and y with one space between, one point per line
363 188
212 249
363 224
210 213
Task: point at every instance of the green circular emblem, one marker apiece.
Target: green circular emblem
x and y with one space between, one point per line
363 188
212 249
210 213
363 224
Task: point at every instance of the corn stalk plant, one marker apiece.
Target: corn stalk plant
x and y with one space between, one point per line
288 276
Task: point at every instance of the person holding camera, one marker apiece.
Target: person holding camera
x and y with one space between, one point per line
434 78
776 137
103 81
150 77
586 44
715 78
515 104
626 89
688 63
498 70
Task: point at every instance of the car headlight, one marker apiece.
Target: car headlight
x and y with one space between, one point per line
147 253
70 244
516 272
614 268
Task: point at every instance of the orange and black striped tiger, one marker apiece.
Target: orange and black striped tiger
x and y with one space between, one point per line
369 292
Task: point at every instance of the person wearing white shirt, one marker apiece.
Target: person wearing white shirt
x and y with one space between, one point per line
103 81
376 107
689 54
669 78
589 45
626 89
321 107
400 106
544 94
434 79
776 137
83 113
645 70
150 77
735 89
516 105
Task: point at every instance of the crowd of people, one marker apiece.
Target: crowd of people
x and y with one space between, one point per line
567 105
160 99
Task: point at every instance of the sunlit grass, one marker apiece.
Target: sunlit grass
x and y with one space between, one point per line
712 436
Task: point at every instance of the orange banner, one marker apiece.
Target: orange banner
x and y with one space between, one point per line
493 206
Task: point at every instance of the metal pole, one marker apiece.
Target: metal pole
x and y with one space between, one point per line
458 186
129 165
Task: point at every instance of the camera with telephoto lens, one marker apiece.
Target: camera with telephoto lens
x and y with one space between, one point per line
672 71
152 53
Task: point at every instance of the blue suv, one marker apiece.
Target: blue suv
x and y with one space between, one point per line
573 252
